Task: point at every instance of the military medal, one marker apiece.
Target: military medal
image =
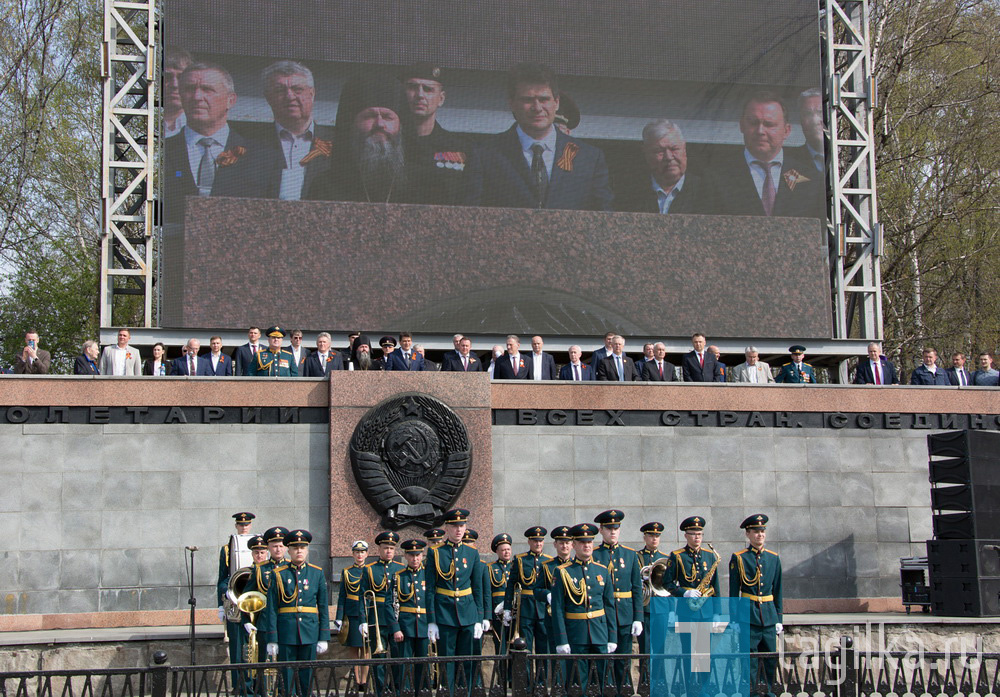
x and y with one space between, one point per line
305 584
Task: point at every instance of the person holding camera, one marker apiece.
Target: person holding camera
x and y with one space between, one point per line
32 359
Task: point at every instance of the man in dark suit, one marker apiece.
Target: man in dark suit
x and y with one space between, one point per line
207 157
575 370
295 150
244 355
300 352
187 362
405 357
764 179
811 120
666 186
699 365
929 373
462 361
323 360
534 164
512 365
957 373
32 360
647 355
541 365
876 369
215 363
600 354
86 363
659 369
617 367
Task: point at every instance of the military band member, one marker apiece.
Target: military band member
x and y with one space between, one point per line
623 565
234 555
528 579
379 577
755 578
297 616
274 361
409 630
647 555
350 610
583 605
497 574
259 581
275 539
470 538
434 537
562 540
454 597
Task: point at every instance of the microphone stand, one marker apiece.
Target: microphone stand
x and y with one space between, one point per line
192 600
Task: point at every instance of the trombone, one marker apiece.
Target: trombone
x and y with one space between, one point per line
371 608
515 610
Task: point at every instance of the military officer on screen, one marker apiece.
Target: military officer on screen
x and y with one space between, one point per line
623 565
583 605
350 610
453 596
755 578
528 581
409 630
378 577
234 555
497 575
647 555
297 616
796 370
274 361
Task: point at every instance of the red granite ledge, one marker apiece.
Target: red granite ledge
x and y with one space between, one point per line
795 606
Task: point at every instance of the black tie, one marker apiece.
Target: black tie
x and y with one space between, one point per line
538 173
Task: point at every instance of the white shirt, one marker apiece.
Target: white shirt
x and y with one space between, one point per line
514 361
877 370
179 123
536 366
215 360
665 198
195 150
576 371
753 370
118 358
758 174
548 142
297 353
294 147
322 361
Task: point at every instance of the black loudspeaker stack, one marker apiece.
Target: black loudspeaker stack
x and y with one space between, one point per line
963 559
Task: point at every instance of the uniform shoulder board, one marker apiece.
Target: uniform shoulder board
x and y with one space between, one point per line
678 551
627 547
547 557
399 571
808 364
770 552
315 567
369 562
784 364
468 544
522 554
597 563
281 568
563 566
742 551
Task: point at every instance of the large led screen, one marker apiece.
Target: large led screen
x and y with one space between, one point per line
495 166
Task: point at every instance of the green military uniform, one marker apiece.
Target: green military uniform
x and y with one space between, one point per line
349 606
379 578
529 580
470 538
796 372
623 565
551 571
234 630
497 575
297 616
755 578
583 607
274 362
646 558
411 592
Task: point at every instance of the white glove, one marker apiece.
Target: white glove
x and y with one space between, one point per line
507 617
498 610
364 629
272 649
672 620
486 626
222 614
612 647
433 634
718 625
636 628
249 627
337 624
321 646
692 593
562 649
477 630
548 597
778 628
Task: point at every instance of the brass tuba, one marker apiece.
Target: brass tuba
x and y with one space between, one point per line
238 600
652 580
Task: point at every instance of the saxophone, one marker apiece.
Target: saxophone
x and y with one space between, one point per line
705 586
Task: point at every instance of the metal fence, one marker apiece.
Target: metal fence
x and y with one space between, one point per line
844 672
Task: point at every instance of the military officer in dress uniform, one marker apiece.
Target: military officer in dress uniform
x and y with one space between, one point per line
623 565
274 361
379 576
350 610
234 555
755 578
409 630
796 370
434 537
647 555
275 539
297 616
528 580
259 581
470 538
583 605
562 540
497 574
454 599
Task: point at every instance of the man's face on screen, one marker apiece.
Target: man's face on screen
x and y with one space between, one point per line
811 119
424 97
666 158
377 123
290 98
534 108
171 89
764 129
206 99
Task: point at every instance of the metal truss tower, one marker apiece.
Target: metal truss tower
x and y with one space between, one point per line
856 243
130 73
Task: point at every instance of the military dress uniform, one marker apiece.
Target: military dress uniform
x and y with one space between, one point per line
646 558
411 592
297 616
234 630
379 578
623 565
268 363
260 581
755 578
454 594
583 608
529 580
796 373
350 609
497 575
437 163
551 571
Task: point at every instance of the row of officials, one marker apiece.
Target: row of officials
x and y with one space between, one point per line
446 599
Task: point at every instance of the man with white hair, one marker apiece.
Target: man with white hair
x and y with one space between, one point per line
753 370
667 188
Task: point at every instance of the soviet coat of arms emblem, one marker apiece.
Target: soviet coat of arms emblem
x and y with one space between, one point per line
411 459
